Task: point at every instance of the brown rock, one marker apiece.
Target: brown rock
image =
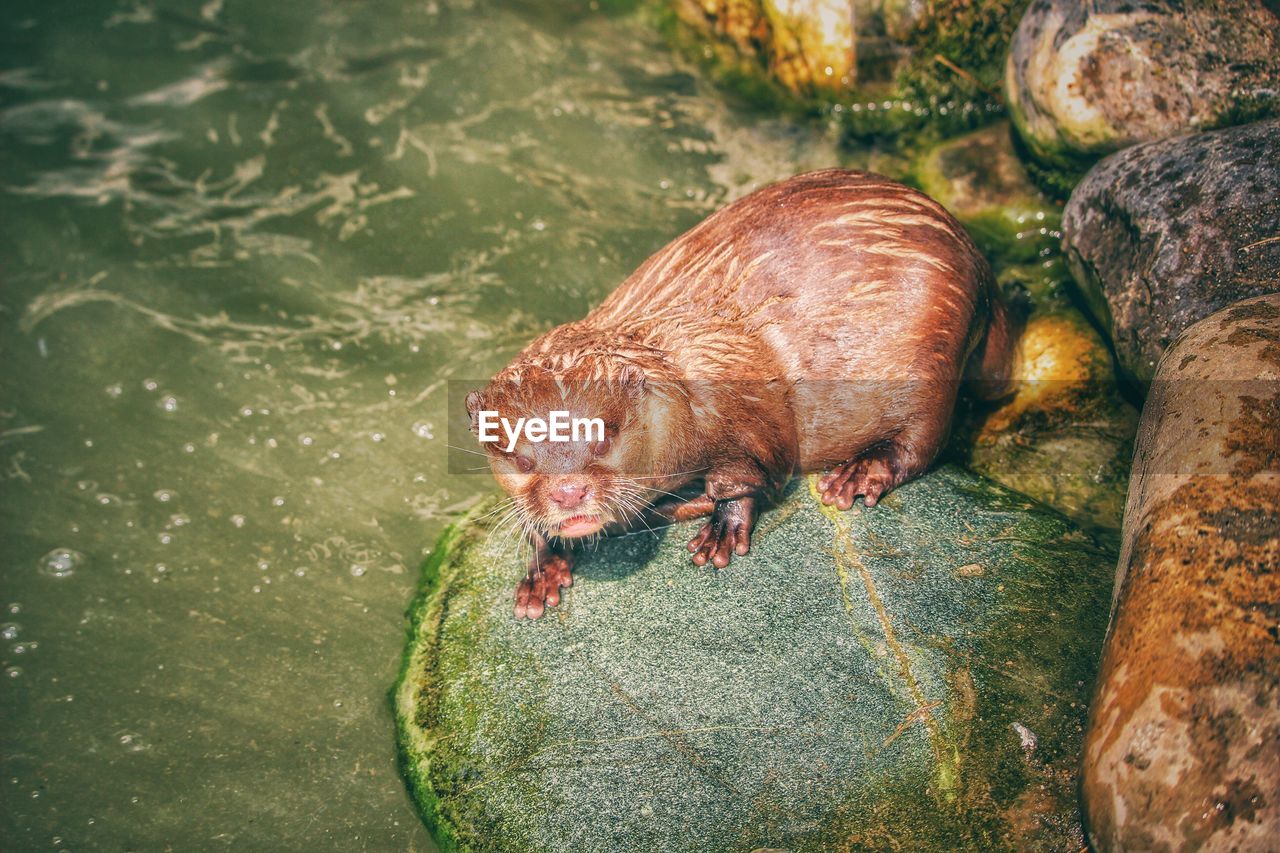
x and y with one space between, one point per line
1183 748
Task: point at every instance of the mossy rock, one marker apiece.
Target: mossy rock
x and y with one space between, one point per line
913 675
981 180
1065 435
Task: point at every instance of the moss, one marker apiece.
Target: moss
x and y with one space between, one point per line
958 50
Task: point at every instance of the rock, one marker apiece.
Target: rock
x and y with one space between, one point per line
913 674
1164 234
938 62
979 178
1184 739
1065 437
807 46
1085 79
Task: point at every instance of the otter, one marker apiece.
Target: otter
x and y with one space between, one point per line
822 323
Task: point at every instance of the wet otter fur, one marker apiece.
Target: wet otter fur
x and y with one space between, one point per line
823 323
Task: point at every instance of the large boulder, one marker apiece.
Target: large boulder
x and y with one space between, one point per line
912 675
1086 79
1183 750
1163 234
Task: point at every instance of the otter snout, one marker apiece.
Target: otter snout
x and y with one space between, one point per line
569 495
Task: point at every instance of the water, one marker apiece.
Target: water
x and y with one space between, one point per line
245 246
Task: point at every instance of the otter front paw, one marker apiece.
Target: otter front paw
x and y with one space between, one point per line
540 588
869 474
727 533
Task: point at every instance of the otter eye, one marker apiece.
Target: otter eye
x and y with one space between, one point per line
524 464
600 448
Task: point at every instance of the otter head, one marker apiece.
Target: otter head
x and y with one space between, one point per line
572 453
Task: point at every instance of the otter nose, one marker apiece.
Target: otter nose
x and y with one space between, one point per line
569 495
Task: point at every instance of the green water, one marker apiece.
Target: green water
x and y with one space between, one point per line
244 247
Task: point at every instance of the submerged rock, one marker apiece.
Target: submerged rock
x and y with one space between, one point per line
1164 234
1184 740
913 674
1084 80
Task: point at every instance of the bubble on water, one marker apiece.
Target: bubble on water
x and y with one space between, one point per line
237 520
133 742
357 570
277 501
179 519
189 448
12 671
306 440
376 436
272 443
168 403
263 565
333 454
337 703
423 429
150 384
164 495
10 630
88 442
257 589
300 572
165 538
246 411
60 563
114 390
14 608
23 648
86 485
161 568
107 499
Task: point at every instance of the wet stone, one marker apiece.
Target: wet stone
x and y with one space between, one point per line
1184 738
1084 80
913 673
1164 234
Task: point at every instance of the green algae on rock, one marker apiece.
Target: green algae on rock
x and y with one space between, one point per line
915 672
979 178
1184 740
1065 436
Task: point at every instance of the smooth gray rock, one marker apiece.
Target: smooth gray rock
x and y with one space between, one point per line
1161 235
1086 79
1183 750
912 675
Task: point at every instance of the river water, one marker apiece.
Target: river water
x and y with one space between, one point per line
245 246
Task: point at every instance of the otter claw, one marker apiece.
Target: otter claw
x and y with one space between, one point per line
726 534
540 588
869 475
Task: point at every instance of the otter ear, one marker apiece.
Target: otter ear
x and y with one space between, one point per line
475 402
632 381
